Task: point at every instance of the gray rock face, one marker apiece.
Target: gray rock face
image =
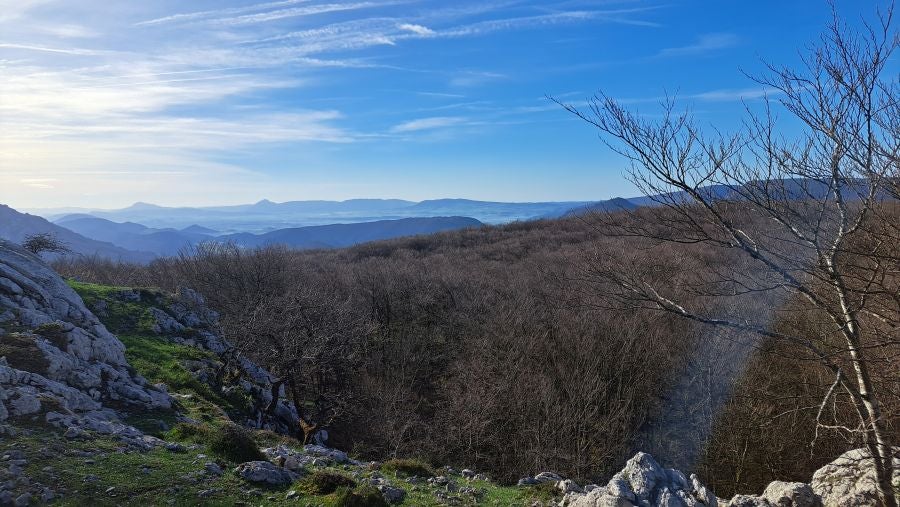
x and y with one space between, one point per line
60 355
264 472
392 494
644 483
185 319
849 481
791 494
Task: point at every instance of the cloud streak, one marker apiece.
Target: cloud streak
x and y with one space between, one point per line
704 44
435 122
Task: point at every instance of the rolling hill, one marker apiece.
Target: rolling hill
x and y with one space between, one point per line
15 226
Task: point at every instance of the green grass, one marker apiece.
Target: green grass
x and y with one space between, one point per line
157 358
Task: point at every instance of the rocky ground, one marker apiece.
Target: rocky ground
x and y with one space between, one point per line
164 412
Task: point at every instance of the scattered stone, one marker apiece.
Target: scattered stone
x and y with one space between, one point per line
791 494
175 447
568 486
265 472
23 500
547 477
748 501
392 494
13 454
213 469
47 495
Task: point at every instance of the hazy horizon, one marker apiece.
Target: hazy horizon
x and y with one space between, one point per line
224 103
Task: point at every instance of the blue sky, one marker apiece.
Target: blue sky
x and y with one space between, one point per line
107 102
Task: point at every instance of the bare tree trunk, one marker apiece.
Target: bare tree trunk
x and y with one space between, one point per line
306 427
276 397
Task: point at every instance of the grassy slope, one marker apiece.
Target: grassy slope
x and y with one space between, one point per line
163 477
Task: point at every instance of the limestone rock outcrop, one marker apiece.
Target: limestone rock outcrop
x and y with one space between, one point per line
55 355
849 480
644 483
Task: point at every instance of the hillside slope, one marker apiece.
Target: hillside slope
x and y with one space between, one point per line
342 235
133 236
15 226
169 413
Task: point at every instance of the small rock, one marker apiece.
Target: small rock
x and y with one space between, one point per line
547 477
23 500
568 486
175 447
791 494
73 432
392 494
213 469
47 495
265 472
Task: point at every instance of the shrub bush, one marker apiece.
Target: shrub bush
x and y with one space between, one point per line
325 482
228 441
409 467
366 496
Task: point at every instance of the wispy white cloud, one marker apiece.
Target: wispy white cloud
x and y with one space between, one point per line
475 78
66 31
442 95
717 95
523 22
434 122
218 13
44 49
293 12
704 44
179 92
416 29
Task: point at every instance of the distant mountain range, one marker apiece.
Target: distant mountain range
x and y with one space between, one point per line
144 230
267 216
134 236
163 242
130 241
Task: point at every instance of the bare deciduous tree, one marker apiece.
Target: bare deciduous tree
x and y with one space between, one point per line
44 242
803 216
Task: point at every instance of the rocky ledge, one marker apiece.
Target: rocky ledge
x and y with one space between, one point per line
848 481
56 359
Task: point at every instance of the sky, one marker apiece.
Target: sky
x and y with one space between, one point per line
107 102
